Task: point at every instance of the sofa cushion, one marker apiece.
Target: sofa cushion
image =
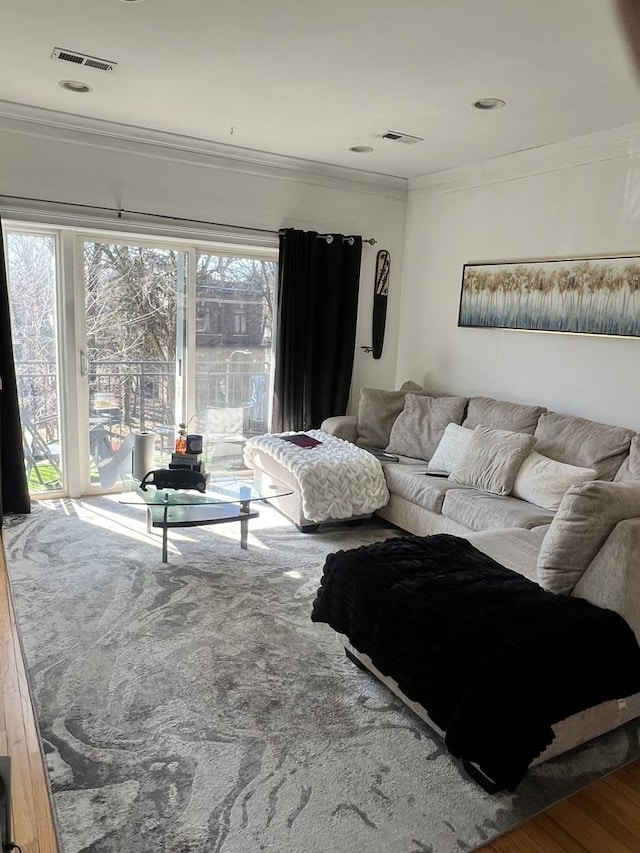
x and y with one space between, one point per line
411 483
377 412
578 441
586 516
451 448
515 548
544 481
492 460
484 511
421 424
500 414
629 471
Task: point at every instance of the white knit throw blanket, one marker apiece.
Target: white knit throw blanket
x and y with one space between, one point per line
336 479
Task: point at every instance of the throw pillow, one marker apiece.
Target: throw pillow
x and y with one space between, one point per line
452 446
543 481
492 460
586 516
421 424
377 412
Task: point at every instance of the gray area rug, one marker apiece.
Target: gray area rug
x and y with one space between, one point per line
194 707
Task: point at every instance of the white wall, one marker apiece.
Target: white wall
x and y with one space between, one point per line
100 164
569 200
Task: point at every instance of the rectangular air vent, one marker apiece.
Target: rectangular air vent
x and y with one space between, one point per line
402 137
82 59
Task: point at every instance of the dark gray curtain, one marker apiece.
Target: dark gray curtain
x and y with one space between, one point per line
14 493
317 305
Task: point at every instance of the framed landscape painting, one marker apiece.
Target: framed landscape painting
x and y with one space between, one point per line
595 296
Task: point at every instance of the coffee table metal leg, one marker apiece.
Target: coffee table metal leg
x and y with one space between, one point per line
244 524
165 533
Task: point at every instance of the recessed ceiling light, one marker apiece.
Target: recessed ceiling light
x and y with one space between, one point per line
361 149
131 1
75 86
488 104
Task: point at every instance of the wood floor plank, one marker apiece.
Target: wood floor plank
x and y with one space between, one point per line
31 808
578 822
627 785
609 806
633 770
540 834
611 825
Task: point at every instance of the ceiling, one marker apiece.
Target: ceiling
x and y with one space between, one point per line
312 79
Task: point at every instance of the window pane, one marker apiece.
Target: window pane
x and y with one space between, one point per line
234 313
133 311
31 267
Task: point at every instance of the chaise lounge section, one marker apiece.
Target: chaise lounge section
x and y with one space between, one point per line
580 539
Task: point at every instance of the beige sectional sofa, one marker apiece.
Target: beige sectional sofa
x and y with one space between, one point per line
585 542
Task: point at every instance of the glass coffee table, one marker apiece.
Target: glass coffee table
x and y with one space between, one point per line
225 499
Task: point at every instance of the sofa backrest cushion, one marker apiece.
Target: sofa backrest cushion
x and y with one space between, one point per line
581 442
492 460
377 412
421 424
586 516
452 446
629 471
543 481
500 414
411 387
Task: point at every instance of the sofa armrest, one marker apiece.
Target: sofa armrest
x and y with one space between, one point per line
612 579
585 518
342 426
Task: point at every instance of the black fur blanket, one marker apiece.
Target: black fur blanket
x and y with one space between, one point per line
494 659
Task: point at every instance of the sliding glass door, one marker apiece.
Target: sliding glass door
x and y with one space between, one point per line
117 336
135 329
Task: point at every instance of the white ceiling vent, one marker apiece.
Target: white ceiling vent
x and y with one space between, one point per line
79 59
402 137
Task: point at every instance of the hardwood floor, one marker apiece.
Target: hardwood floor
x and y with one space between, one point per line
33 826
604 818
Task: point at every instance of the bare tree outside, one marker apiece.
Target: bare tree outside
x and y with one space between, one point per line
131 310
130 301
31 266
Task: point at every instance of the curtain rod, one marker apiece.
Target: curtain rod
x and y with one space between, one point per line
120 210
350 240
329 238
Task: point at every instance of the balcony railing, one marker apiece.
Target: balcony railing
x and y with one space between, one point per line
140 394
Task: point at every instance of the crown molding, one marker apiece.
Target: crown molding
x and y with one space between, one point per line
611 144
98 133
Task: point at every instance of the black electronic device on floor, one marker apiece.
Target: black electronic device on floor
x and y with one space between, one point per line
5 802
